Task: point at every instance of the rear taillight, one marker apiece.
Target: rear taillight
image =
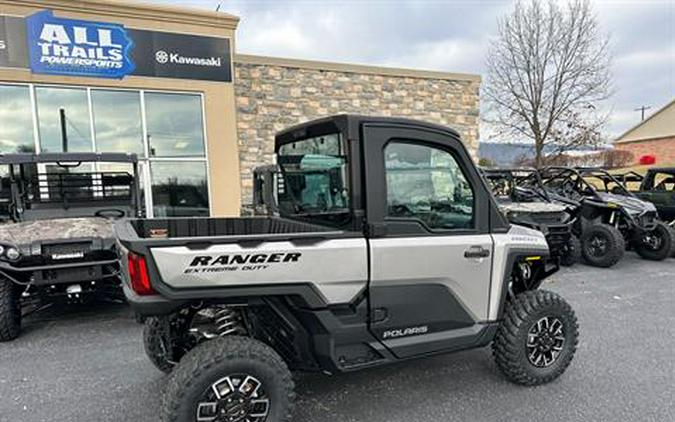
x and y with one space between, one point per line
138 275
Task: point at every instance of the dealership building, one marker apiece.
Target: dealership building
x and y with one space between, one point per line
167 84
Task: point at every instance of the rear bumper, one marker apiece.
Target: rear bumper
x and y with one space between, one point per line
150 305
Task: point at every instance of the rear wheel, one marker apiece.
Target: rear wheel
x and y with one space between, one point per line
602 245
537 339
658 243
10 311
157 344
572 252
233 379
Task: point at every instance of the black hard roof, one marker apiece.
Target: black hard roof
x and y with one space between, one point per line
68 157
351 124
662 169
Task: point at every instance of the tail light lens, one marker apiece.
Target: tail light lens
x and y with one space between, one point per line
138 275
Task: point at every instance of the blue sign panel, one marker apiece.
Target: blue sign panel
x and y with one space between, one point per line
76 47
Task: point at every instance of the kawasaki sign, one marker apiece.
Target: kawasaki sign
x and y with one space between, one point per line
76 47
50 44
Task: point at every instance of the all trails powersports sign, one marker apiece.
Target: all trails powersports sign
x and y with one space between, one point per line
76 47
48 44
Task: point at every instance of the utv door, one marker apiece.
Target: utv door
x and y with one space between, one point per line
660 190
430 247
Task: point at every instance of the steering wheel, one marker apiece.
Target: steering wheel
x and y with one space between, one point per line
400 210
110 213
568 188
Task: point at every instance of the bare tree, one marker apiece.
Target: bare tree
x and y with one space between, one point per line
547 70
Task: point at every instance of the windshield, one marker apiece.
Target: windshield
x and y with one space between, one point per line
314 178
501 184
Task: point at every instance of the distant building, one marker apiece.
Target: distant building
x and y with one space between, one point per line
655 136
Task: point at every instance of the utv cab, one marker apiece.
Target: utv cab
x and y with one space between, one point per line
56 238
611 217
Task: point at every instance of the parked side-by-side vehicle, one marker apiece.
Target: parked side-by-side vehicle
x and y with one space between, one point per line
523 201
388 246
610 217
56 236
656 186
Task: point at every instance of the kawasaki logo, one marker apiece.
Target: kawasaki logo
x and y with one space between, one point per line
162 57
69 255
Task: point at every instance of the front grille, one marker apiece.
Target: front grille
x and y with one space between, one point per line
66 251
648 220
557 236
549 217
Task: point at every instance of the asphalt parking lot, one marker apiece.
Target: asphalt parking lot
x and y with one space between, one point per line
87 364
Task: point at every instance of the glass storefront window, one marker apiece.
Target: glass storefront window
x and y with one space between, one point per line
16 119
179 188
117 121
76 107
175 125
170 127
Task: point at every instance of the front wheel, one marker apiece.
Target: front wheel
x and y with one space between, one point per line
537 339
602 245
230 379
571 252
658 243
10 311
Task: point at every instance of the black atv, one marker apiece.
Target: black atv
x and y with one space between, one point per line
523 201
56 237
611 217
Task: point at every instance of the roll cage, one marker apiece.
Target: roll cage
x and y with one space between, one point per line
28 191
516 183
574 182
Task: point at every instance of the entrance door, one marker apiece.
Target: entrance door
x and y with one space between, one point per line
431 251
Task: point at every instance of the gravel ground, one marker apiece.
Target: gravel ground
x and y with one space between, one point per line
87 364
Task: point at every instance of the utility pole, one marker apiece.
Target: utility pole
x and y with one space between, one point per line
642 110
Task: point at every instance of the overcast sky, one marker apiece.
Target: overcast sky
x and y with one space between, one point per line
452 35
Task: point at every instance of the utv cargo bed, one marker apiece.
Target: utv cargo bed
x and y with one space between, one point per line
214 228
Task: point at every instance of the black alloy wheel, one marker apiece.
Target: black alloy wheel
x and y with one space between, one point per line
545 341
234 398
657 244
537 338
602 245
229 379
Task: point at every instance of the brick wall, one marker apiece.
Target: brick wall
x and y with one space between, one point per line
272 97
663 149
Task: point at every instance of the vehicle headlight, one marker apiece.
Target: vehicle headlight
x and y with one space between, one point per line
2 249
12 253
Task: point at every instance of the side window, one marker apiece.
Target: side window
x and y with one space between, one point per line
664 182
427 183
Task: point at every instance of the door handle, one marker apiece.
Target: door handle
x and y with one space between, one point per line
476 252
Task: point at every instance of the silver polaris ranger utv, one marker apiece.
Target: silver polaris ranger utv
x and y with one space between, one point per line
56 236
388 246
